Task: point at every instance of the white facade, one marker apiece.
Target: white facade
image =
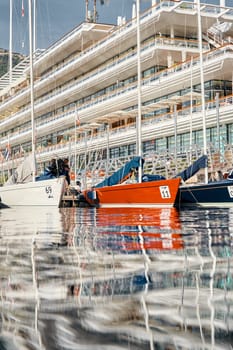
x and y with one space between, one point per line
90 76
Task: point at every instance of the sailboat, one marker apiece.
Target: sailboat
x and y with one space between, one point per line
115 192
23 188
217 193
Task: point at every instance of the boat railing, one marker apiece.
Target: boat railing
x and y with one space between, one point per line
165 162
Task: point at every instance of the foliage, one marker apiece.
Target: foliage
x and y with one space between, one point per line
4 59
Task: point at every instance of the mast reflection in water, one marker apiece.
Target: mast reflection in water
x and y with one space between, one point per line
80 278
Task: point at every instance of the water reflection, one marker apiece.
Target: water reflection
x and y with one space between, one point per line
83 278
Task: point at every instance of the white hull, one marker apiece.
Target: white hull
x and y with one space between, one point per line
39 193
132 205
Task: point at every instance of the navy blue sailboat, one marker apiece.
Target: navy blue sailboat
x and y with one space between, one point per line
211 194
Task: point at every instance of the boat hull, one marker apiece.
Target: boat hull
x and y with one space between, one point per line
213 194
152 194
39 193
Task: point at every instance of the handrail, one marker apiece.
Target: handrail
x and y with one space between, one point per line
211 104
165 5
146 81
177 67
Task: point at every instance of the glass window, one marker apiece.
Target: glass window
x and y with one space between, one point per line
132 149
161 144
148 146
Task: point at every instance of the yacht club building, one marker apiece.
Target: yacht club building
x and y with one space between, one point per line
86 92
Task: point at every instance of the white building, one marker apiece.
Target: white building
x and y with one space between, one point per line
86 91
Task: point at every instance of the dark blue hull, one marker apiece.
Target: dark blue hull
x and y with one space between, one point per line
213 194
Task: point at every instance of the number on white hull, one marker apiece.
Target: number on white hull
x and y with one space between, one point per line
164 191
230 191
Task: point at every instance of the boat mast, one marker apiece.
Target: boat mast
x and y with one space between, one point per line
191 110
86 12
10 46
34 27
202 86
138 122
94 12
32 89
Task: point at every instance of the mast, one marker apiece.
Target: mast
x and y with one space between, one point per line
191 110
202 86
32 89
76 118
138 122
10 45
86 12
94 12
34 27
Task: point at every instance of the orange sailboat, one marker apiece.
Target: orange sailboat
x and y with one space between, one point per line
151 192
154 192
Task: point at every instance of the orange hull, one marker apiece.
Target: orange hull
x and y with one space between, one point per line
163 218
152 194
141 228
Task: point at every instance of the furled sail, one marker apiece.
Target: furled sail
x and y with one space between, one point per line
200 163
122 174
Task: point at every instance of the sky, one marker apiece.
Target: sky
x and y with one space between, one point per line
55 18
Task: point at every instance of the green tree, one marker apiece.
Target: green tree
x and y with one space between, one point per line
4 61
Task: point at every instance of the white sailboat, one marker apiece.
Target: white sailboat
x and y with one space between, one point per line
22 189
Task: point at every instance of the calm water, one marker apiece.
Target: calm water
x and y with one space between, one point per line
116 279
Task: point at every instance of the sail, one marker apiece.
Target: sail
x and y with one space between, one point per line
23 173
200 163
121 174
